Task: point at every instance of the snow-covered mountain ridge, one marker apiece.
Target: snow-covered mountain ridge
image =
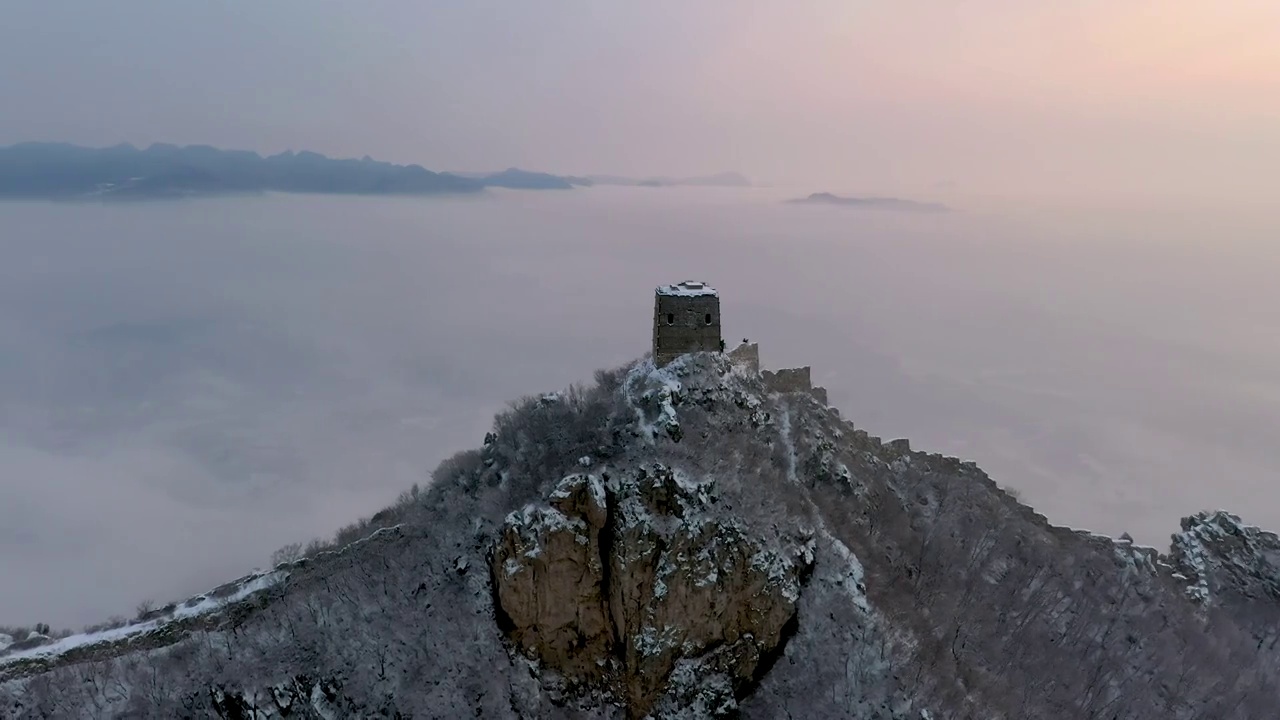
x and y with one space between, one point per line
688 542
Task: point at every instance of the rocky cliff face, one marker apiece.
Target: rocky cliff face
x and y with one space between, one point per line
622 580
693 541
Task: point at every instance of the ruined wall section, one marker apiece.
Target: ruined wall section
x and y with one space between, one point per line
788 379
791 380
747 355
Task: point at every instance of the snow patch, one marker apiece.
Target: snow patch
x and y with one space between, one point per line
851 576
778 570
564 489
1137 558
204 604
645 375
852 579
784 429
321 704
651 641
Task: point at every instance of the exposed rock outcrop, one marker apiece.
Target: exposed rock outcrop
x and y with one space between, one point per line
548 573
1231 566
1225 560
635 582
299 698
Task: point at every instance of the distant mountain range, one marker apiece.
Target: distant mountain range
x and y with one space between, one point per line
65 171
528 180
517 179
886 203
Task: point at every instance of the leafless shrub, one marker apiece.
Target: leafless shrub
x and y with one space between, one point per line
14 631
314 547
409 497
145 608
608 381
286 554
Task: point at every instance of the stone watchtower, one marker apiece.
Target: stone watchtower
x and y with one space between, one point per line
686 319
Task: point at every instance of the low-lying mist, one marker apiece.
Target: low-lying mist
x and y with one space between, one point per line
185 386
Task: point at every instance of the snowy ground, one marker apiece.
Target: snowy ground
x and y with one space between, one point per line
199 605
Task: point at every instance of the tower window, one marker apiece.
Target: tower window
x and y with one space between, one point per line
708 318
671 318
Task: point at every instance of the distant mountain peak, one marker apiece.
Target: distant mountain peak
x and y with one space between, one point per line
887 203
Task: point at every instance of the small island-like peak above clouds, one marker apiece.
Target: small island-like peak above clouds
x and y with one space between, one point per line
883 203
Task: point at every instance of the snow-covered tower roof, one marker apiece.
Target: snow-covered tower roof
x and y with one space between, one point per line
688 288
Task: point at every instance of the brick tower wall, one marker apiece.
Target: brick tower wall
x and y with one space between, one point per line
683 324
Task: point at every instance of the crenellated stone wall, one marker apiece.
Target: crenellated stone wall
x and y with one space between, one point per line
788 380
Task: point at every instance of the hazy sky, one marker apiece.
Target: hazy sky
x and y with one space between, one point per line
1086 96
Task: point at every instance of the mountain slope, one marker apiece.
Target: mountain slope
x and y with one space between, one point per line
692 541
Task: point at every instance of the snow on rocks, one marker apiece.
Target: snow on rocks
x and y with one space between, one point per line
1217 552
789 443
688 288
648 389
1136 558
850 574
302 696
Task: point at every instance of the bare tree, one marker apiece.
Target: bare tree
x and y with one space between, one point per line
145 608
286 554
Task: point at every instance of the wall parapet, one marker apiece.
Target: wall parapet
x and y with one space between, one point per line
788 379
793 380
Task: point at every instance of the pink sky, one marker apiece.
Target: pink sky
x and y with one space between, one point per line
1083 97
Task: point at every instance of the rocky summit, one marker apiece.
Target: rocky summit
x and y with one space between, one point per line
698 541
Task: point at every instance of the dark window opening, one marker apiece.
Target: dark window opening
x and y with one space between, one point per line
708 318
671 318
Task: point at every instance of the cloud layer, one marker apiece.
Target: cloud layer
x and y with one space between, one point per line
186 386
